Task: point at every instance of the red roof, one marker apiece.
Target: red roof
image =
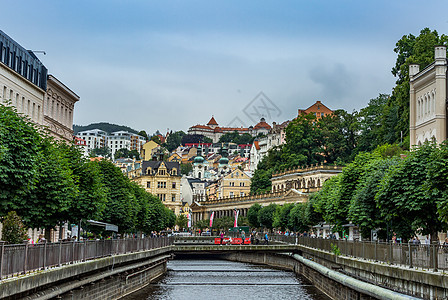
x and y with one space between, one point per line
202 127
262 124
212 121
257 146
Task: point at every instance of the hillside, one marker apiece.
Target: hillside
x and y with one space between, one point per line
103 126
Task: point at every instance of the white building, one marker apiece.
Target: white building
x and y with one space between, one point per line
94 138
125 140
428 92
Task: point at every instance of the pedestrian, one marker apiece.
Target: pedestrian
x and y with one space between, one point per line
266 238
445 245
243 237
222 236
428 244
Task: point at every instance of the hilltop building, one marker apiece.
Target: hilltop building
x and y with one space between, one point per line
318 109
213 131
428 106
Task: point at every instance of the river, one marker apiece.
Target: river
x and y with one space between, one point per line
220 279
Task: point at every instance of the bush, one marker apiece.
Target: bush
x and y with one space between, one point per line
14 232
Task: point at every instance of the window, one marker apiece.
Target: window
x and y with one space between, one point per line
242 194
173 197
231 194
241 183
174 185
161 172
161 196
161 185
148 184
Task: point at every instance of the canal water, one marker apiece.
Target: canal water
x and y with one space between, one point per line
220 279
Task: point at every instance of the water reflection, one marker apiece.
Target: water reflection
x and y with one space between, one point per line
218 279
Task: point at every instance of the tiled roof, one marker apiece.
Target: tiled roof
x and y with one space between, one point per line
257 145
212 121
262 124
202 127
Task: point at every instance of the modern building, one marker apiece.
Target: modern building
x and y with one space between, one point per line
125 140
95 138
428 106
163 179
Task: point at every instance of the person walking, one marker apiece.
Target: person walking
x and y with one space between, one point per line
222 236
266 238
243 237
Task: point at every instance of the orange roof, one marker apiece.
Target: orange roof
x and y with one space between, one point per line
257 146
262 124
212 121
234 129
202 127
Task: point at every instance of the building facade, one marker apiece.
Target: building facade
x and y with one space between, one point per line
59 106
318 109
163 179
428 94
23 79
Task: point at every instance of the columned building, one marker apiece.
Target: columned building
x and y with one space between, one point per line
428 96
59 105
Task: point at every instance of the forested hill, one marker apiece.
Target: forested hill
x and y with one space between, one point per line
103 126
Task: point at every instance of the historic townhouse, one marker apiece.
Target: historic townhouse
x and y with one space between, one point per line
428 92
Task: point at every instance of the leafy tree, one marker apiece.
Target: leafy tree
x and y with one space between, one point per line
102 152
156 139
126 153
48 201
371 124
363 210
186 168
252 215
104 126
195 138
438 179
327 201
19 144
404 199
122 206
90 199
182 221
281 216
410 50
14 232
202 224
266 215
143 134
174 140
338 136
297 220
223 223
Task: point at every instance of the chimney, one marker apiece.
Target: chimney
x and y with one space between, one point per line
440 55
413 69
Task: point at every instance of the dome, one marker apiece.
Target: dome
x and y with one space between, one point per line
198 160
223 161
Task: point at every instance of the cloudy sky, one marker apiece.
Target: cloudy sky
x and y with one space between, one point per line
173 64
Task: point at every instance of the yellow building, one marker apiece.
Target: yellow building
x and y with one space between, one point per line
149 149
234 184
162 178
175 158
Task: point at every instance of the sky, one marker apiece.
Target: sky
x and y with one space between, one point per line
169 65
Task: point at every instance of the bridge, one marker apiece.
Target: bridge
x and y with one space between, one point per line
118 267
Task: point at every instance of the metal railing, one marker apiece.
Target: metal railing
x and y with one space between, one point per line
23 258
434 256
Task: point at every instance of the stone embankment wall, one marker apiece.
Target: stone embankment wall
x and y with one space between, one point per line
332 282
105 278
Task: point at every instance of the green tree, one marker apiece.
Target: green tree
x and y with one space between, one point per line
371 124
437 183
90 199
266 215
174 140
281 216
19 144
156 139
182 221
297 220
410 50
404 199
186 168
121 153
143 134
14 232
49 201
102 152
122 206
252 215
